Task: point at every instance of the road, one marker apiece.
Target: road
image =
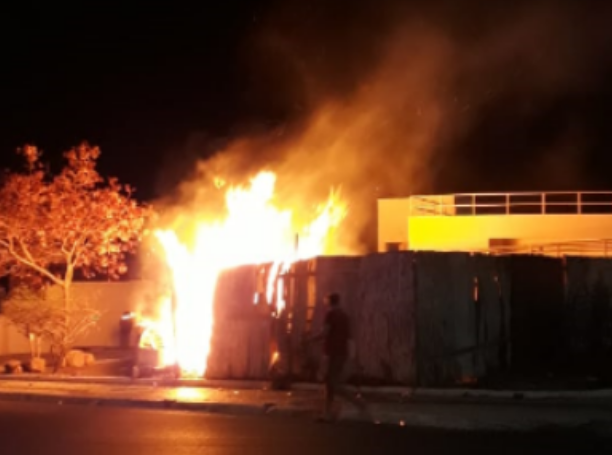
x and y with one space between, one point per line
50 429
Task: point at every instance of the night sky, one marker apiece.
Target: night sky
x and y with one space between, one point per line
524 87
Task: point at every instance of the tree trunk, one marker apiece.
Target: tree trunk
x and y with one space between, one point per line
58 358
38 346
68 286
63 347
32 339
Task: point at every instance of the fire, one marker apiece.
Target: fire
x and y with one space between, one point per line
253 231
158 334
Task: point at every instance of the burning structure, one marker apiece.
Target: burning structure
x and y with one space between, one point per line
382 132
553 224
229 274
253 229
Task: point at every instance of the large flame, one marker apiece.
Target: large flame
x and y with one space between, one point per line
253 231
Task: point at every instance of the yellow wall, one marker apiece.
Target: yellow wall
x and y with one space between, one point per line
392 216
111 298
473 232
11 341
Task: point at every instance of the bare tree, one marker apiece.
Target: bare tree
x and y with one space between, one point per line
50 320
25 311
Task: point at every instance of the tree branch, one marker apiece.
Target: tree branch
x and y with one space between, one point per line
63 247
30 262
74 256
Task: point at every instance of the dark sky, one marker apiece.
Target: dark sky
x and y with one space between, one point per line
157 86
136 81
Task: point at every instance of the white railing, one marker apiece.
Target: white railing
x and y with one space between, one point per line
586 202
586 248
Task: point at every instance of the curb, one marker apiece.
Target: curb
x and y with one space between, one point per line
411 393
111 380
211 407
407 393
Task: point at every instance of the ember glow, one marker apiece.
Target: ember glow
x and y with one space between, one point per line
254 230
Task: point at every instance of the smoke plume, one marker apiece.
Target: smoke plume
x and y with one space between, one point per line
391 102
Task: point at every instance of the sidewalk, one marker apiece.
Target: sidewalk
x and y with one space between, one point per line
460 414
381 392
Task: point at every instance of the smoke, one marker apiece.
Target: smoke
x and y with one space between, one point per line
418 103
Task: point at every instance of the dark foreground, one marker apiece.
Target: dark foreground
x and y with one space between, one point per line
34 428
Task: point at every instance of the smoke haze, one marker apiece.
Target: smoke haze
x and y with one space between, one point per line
390 101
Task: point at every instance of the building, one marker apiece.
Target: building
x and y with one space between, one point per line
560 223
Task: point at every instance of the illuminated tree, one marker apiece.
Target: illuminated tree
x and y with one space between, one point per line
53 225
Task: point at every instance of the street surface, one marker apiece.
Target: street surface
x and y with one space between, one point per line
50 429
460 414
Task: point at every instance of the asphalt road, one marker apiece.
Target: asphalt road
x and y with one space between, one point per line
49 429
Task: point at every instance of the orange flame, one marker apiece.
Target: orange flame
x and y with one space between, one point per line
254 231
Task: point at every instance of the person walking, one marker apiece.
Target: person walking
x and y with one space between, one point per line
338 349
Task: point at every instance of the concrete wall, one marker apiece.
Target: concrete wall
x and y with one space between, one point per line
418 318
463 316
392 227
11 341
445 317
378 293
537 313
472 233
111 298
588 315
384 317
437 319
